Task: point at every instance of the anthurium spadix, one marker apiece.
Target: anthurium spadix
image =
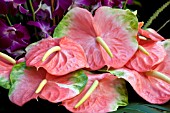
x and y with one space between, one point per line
108 37
57 56
103 93
28 83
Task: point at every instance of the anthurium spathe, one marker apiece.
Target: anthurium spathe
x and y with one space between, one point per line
152 85
149 33
65 87
69 56
24 82
28 83
5 69
151 89
109 93
108 38
142 62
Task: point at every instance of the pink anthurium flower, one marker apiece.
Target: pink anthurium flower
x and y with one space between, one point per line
149 33
28 83
152 85
108 40
57 56
148 87
109 93
142 62
150 51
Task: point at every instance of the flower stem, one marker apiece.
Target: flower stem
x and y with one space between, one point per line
52 10
124 6
33 16
32 9
8 20
163 25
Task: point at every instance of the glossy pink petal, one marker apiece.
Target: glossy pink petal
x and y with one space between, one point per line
151 34
65 87
116 29
142 62
71 57
24 82
104 98
149 88
81 29
79 25
5 70
164 66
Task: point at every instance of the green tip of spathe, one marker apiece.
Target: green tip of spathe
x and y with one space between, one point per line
135 12
104 45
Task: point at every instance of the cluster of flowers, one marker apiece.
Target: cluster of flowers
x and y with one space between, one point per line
18 17
86 62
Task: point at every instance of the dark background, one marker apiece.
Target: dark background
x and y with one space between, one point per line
144 12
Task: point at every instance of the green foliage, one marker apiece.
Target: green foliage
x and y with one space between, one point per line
155 15
144 108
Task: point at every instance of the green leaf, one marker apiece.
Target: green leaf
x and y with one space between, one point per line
159 107
155 15
142 108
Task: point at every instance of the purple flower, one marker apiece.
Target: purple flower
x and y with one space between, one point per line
19 1
61 7
13 39
3 6
46 29
42 10
94 4
112 3
86 2
7 7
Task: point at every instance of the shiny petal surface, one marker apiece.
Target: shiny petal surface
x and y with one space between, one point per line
118 28
142 62
24 82
149 88
71 57
65 87
109 94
